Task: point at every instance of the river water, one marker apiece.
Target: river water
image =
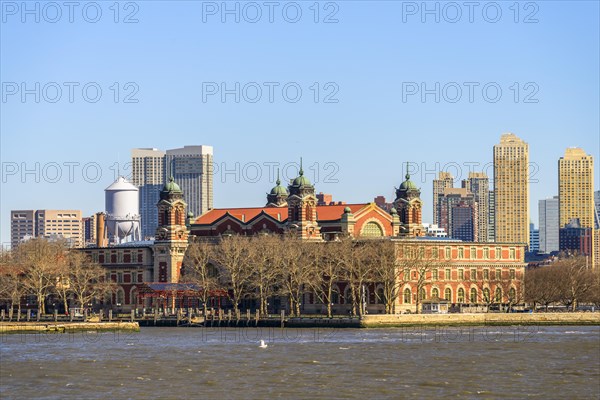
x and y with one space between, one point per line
168 363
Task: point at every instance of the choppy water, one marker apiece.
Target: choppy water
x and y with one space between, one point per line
482 363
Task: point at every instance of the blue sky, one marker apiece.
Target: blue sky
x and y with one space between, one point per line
365 124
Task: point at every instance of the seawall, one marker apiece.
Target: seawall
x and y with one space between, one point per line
383 321
41 327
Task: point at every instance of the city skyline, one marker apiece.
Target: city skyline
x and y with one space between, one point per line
364 63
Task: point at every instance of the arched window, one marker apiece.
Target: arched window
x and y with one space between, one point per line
498 294
335 295
435 293
461 295
120 296
133 293
473 295
422 294
372 229
380 296
486 295
448 294
348 295
512 294
407 296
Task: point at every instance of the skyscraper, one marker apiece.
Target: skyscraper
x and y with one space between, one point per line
548 222
479 184
534 239
458 214
444 180
576 188
511 190
191 166
148 173
492 217
597 208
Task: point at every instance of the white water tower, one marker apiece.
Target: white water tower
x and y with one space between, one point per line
122 212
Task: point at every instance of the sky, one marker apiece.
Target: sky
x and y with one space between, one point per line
356 88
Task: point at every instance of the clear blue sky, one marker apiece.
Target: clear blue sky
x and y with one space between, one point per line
368 56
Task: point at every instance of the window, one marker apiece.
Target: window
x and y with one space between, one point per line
461 274
448 251
422 294
498 253
473 295
120 296
461 295
486 295
498 274
435 293
372 229
473 253
447 274
421 252
461 252
380 296
448 294
486 253
512 274
498 294
407 296
435 253
473 274
486 274
119 277
434 274
512 253
512 294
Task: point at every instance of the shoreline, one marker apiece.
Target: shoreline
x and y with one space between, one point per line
488 319
58 327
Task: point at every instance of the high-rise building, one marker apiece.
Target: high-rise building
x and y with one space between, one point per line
479 184
22 226
191 167
457 213
444 180
534 239
511 190
148 173
65 224
577 239
548 220
576 188
492 217
597 208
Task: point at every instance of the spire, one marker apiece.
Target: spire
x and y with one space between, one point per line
301 172
407 174
278 182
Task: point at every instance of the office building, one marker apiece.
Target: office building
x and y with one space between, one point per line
52 224
191 167
148 173
444 180
576 188
511 190
534 239
479 184
548 220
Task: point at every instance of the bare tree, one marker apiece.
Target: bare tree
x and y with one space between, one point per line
386 271
40 260
416 267
264 255
86 279
357 271
199 269
293 271
11 283
577 280
326 271
233 255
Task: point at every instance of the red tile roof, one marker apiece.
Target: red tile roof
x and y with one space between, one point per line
324 213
